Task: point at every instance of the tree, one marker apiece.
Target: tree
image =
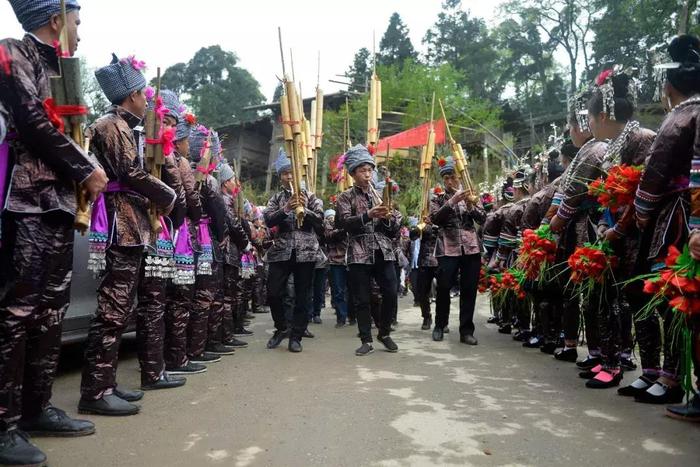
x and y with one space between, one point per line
214 86
632 33
527 66
95 99
566 24
406 91
360 71
395 46
465 43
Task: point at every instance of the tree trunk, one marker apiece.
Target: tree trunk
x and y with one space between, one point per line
683 17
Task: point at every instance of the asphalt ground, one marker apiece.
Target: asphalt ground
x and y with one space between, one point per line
432 403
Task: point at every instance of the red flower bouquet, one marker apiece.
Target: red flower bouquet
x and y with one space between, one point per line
508 284
618 189
591 265
537 253
679 285
484 280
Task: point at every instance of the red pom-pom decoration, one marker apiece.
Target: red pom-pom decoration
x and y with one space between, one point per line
603 76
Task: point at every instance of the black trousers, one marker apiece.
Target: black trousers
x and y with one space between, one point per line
116 300
467 266
424 282
276 290
359 284
36 264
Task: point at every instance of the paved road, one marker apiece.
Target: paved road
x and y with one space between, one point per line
431 404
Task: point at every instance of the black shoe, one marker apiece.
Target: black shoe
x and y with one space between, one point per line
493 320
589 362
505 329
670 395
595 383
308 334
259 310
191 368
533 343
129 395
236 343
242 332
522 336
388 343
446 330
548 348
566 355
220 349
639 386
107 405
468 339
277 339
340 324
689 412
166 381
627 364
352 322
53 421
427 323
365 349
317 320
205 357
17 450
294 346
438 334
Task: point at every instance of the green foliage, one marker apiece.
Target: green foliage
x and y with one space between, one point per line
407 90
465 43
360 70
396 46
633 33
92 93
214 86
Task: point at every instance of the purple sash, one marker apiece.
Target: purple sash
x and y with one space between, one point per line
184 256
99 230
206 257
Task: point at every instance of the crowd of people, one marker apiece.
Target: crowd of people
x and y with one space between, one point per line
191 261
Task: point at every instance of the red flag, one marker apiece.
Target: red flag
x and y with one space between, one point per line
417 136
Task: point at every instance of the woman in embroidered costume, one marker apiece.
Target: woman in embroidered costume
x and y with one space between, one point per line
663 198
610 112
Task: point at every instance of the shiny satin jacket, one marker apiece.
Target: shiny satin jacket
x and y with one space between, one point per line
214 207
428 240
627 248
178 176
575 205
46 163
538 206
366 235
457 230
663 195
336 242
509 239
492 228
290 238
236 237
112 142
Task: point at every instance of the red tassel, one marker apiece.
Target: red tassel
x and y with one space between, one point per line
372 149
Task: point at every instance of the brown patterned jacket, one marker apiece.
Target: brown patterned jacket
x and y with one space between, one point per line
366 235
457 235
46 163
290 238
112 142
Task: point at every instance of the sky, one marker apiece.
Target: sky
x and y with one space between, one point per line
163 33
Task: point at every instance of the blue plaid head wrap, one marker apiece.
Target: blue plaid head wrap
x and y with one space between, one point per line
33 14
